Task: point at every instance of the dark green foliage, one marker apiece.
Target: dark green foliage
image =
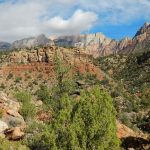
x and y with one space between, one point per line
85 124
61 72
145 97
44 94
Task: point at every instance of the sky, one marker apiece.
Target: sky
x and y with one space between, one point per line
114 18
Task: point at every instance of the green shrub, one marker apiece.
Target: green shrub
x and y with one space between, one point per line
18 79
28 109
85 124
7 145
44 94
23 96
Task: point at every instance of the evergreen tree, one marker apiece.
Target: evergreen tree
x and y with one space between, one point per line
85 124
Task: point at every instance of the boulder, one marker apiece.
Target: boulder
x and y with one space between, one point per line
14 133
10 111
3 126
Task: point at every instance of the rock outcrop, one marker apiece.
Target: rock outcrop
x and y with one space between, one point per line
140 42
10 118
40 40
46 54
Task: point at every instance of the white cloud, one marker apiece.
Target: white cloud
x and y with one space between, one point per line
23 18
80 21
33 17
118 11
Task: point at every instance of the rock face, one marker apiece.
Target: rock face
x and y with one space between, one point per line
34 55
3 127
10 118
140 42
95 44
5 46
99 45
40 40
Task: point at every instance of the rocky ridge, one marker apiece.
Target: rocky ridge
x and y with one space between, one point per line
40 40
94 44
99 45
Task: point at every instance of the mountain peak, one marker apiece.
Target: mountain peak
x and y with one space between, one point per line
143 29
146 24
32 42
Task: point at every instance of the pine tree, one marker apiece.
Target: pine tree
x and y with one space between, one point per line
84 124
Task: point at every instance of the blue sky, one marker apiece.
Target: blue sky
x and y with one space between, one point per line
114 18
119 31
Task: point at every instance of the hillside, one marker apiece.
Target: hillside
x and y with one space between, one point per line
131 73
46 84
32 72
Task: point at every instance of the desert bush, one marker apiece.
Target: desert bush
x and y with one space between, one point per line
2 86
7 145
9 76
18 79
28 110
85 124
44 94
23 96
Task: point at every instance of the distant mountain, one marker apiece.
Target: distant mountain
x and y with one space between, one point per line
4 46
40 40
140 42
94 44
99 45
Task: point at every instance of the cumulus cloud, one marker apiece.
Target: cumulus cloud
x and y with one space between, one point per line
30 18
80 21
23 18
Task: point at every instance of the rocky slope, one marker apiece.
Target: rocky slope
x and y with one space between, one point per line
40 40
11 122
29 68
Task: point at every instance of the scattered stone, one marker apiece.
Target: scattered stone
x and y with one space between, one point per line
14 133
3 126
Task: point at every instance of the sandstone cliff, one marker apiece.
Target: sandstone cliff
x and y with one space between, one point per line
99 45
